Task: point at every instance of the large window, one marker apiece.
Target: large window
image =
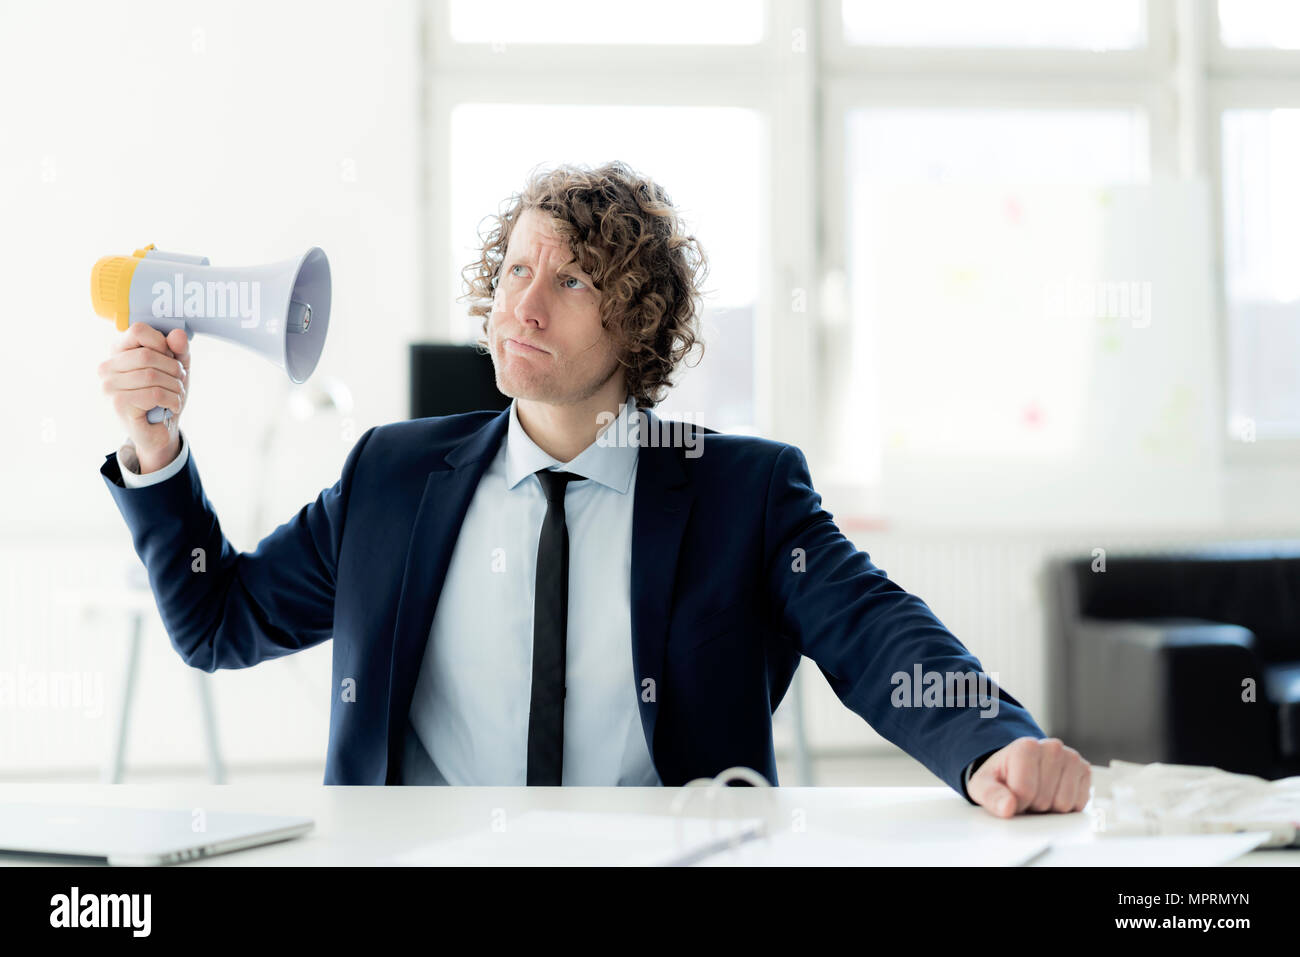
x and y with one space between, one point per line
934 226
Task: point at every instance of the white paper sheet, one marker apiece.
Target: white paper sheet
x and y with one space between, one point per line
1200 850
819 848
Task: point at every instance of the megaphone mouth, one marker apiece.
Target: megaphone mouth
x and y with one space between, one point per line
311 288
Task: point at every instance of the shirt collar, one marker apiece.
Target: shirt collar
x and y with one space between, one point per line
610 462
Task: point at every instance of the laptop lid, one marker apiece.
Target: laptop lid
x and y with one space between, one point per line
136 836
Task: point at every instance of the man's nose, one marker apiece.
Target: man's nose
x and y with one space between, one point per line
531 306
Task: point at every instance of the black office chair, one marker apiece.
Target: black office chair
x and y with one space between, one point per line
448 379
1153 658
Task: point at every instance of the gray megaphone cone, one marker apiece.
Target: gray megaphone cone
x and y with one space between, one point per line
281 310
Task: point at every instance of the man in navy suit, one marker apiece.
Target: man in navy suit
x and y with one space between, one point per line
571 591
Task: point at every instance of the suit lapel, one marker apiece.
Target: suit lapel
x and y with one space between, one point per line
447 494
662 505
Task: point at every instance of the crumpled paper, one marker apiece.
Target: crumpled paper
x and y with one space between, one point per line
1133 799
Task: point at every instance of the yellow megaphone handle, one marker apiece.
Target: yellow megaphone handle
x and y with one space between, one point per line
110 296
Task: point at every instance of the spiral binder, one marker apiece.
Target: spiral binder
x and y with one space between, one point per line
745 829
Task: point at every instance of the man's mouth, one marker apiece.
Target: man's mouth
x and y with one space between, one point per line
517 345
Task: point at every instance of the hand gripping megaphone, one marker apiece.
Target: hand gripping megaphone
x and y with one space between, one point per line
281 311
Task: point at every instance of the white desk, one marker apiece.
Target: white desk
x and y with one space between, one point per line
366 825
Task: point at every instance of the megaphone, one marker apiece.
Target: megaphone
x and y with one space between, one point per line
281 311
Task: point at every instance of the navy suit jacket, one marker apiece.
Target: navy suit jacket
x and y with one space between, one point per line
737 571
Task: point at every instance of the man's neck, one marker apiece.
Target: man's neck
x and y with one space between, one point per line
563 431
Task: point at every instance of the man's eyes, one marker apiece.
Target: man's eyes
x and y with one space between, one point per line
565 281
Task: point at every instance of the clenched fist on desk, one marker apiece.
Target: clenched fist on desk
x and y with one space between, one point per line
1032 774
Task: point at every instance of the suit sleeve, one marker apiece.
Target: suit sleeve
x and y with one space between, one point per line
868 636
970 771
223 608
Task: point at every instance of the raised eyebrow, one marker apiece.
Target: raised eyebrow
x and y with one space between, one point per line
571 269
567 271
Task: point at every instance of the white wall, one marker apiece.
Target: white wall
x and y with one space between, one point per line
243 131
246 132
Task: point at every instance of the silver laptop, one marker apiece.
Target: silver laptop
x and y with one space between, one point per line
135 836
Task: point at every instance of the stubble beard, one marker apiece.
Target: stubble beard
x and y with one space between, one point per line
555 386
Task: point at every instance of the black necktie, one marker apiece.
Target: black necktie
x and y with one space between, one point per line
550 624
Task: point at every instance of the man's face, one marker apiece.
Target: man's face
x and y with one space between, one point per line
544 332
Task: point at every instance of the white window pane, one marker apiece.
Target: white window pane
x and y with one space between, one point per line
1260 23
962 223
607 21
999 145
1094 25
1261 236
717 199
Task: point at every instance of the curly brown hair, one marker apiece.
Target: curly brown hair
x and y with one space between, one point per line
625 234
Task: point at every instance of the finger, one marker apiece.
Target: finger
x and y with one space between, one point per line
142 334
996 799
143 379
986 788
140 358
1067 792
148 398
1051 767
1021 771
1084 793
179 343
